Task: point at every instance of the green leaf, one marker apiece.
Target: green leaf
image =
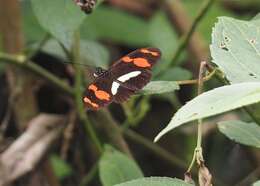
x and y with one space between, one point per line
208 21
32 30
115 167
235 49
257 17
113 24
162 36
92 53
257 183
61 18
61 168
214 102
241 132
159 87
155 181
175 74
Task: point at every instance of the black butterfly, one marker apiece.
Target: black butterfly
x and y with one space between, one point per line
125 77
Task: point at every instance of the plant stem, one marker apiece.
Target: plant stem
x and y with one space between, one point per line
195 81
91 174
20 60
198 150
44 40
185 39
156 149
78 94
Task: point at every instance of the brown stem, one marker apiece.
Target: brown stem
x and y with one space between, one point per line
20 82
111 130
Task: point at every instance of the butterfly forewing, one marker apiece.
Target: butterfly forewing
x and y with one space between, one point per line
132 72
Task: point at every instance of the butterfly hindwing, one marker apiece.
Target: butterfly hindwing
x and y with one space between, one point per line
98 94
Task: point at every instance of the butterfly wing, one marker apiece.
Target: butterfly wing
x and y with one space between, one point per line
98 93
128 75
132 72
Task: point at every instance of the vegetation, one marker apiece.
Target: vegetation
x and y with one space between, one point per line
208 78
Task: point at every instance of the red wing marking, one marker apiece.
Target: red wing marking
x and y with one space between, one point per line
140 62
149 52
127 59
86 100
100 94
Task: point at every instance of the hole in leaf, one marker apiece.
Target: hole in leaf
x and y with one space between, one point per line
252 75
227 39
252 41
223 46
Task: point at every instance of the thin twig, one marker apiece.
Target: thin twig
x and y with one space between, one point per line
195 81
198 150
91 174
184 40
44 40
20 60
156 149
68 135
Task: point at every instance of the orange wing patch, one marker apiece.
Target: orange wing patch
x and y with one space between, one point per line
145 51
127 59
100 94
86 100
140 62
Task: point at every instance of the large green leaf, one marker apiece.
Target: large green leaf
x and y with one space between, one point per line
115 167
235 49
32 30
214 102
257 183
155 181
241 132
159 87
113 24
162 35
61 18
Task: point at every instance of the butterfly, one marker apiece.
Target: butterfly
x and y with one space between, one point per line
123 79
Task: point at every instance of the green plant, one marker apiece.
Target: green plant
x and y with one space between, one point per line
59 29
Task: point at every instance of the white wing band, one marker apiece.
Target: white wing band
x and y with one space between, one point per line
123 78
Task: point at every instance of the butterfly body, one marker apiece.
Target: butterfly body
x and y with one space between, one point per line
125 77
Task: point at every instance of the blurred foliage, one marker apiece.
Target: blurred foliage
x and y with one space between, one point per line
241 132
109 33
115 168
60 167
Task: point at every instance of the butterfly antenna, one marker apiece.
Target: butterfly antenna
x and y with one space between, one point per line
69 62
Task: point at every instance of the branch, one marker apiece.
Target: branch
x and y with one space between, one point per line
181 21
156 149
111 130
25 153
78 95
20 60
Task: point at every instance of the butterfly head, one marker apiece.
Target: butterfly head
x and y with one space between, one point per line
99 72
